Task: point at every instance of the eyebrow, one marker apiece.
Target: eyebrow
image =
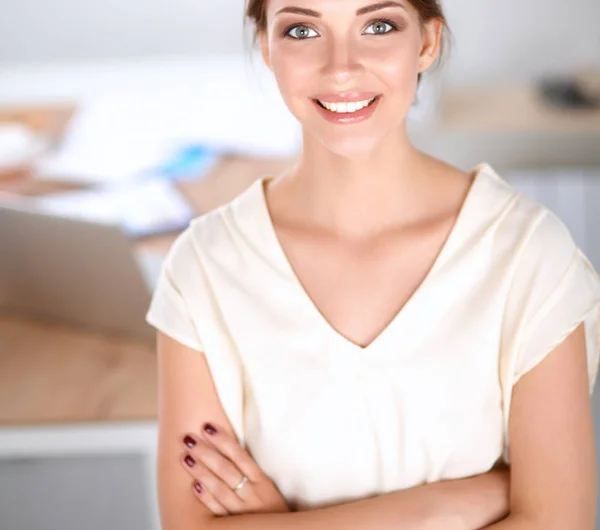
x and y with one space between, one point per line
361 11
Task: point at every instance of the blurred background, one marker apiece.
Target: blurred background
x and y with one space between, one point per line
120 121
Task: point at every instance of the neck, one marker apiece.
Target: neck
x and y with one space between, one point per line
358 197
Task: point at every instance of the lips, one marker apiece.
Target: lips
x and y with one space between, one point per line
338 116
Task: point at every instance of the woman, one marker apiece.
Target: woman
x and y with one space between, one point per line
360 341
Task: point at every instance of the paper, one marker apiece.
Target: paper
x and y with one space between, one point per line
19 145
109 140
228 104
141 208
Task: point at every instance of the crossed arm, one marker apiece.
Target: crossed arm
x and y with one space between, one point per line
552 483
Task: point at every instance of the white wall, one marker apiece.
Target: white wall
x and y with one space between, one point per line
501 40
495 40
37 30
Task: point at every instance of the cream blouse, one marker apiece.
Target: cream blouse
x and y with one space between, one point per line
429 398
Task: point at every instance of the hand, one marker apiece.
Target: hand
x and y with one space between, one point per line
218 464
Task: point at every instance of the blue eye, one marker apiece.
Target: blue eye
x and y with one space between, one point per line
381 27
301 32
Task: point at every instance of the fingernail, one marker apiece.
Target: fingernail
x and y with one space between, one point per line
198 487
189 461
189 441
210 429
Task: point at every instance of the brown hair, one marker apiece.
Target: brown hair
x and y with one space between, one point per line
256 12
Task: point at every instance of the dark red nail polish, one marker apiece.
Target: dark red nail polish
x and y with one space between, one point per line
197 487
189 461
210 429
189 441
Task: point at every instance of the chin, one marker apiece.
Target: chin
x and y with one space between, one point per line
347 141
355 147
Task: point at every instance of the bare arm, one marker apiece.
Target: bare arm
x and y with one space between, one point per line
466 504
553 466
188 399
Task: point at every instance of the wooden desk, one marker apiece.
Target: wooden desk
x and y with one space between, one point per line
54 373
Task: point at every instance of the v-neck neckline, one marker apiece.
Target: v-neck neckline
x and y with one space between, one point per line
275 251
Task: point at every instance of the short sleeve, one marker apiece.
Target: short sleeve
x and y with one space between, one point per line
555 289
169 310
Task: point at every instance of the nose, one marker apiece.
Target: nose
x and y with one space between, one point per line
342 63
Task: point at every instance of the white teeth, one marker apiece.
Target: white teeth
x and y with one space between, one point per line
347 107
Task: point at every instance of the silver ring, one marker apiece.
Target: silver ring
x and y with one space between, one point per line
241 484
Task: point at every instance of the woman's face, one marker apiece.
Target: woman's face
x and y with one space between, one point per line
347 52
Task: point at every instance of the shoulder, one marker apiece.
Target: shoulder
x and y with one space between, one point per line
201 236
535 247
550 237
545 242
194 236
551 288
527 229
219 236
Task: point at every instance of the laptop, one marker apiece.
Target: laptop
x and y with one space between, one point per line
75 271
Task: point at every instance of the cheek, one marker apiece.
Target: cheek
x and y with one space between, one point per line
293 63
396 67
297 75
396 71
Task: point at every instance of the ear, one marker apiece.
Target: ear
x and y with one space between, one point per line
264 48
432 39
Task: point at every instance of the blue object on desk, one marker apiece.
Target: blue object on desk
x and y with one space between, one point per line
191 161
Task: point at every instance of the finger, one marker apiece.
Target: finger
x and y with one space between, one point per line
230 448
210 456
210 483
208 500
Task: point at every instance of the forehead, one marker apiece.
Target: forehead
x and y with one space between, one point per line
329 6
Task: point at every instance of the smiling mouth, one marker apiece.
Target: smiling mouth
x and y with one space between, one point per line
346 107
